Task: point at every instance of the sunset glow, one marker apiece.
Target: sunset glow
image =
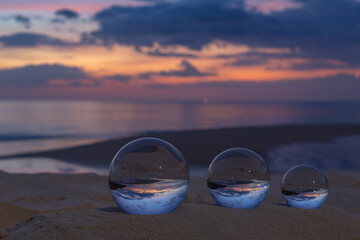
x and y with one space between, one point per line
99 54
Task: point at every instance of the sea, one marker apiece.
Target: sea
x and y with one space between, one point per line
38 125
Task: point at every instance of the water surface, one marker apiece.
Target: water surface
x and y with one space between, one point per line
42 125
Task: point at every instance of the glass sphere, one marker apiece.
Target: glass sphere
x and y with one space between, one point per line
304 186
238 178
148 176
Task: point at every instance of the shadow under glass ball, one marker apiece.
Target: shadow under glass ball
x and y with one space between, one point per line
148 176
238 178
304 186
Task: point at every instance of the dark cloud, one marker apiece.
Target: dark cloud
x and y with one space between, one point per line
247 61
317 65
30 40
188 70
41 75
119 78
26 21
67 13
58 21
321 29
23 20
158 53
342 87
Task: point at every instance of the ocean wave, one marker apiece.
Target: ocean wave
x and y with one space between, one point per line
341 154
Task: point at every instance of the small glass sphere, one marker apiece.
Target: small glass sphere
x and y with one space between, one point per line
148 176
304 186
238 178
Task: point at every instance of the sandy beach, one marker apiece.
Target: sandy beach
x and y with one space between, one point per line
55 206
79 206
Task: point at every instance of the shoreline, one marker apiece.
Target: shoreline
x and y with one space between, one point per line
199 147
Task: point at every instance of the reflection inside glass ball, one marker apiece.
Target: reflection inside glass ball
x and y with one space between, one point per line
148 176
238 178
304 186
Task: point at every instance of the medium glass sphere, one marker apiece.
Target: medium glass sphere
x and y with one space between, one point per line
304 186
148 176
238 178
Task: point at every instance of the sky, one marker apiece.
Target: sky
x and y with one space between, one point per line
201 50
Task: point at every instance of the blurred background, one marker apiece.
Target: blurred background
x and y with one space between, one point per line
74 73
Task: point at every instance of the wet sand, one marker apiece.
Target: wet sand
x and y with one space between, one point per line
200 147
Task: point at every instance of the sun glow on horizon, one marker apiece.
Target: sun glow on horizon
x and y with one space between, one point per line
74 53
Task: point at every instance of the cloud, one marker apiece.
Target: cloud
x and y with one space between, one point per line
42 75
270 6
30 40
67 13
119 78
342 87
26 21
276 62
314 65
53 75
188 70
58 21
21 19
248 61
320 29
158 53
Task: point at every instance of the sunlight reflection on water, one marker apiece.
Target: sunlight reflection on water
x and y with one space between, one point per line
110 119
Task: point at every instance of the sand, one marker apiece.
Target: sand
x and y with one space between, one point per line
58 206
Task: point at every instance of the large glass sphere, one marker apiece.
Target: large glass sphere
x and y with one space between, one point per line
238 178
304 186
148 176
